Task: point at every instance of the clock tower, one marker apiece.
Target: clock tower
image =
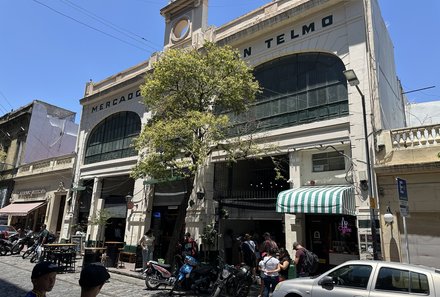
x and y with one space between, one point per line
185 23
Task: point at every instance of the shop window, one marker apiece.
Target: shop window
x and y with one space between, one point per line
397 280
113 137
329 161
353 276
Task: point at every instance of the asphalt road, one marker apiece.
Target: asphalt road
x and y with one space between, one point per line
15 281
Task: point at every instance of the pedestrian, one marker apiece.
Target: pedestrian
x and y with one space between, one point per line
147 243
43 279
43 237
268 243
299 260
261 274
189 246
92 278
271 272
248 251
285 261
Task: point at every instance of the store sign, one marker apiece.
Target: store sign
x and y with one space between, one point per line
31 193
293 34
343 227
116 101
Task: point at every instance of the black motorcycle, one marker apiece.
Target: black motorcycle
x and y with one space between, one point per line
7 244
234 281
27 240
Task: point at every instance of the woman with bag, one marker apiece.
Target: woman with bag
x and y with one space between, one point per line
271 272
285 262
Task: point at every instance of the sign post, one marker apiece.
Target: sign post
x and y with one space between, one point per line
404 210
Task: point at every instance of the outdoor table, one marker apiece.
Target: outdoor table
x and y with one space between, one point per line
113 250
61 254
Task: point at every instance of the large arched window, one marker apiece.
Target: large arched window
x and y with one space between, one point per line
112 138
297 89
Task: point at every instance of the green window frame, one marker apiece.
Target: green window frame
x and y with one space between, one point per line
113 137
296 89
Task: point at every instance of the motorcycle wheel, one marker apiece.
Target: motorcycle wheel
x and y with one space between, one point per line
3 250
152 282
34 258
17 248
243 291
217 292
27 253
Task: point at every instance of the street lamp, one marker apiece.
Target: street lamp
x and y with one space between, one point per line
354 81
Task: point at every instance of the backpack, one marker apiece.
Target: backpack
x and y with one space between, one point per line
51 238
311 262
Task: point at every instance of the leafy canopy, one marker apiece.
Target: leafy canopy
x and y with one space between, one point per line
182 94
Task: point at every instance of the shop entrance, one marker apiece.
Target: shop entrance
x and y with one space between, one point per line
163 222
333 238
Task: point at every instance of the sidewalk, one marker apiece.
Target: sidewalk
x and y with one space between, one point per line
127 269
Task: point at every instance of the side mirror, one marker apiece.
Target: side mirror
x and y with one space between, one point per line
326 281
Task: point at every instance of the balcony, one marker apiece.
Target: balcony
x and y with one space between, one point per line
412 146
44 166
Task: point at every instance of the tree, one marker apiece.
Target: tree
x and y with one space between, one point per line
100 219
190 94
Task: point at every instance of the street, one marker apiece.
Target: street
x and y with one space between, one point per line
15 274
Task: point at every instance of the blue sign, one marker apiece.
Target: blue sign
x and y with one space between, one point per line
403 196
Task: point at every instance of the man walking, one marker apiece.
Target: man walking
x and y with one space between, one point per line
299 260
43 279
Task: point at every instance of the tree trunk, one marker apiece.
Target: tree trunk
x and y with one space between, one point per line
180 222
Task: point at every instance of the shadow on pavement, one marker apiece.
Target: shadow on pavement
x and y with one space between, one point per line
10 290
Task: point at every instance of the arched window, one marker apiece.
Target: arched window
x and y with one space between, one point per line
112 138
297 89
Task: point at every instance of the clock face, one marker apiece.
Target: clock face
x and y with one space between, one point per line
181 29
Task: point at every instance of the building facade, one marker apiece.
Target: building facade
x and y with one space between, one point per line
299 51
33 137
411 154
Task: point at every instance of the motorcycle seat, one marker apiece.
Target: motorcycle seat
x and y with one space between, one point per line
161 264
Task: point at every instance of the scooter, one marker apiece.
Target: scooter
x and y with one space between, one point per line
158 274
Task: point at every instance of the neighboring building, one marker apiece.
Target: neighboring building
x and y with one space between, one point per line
38 131
422 114
411 154
299 50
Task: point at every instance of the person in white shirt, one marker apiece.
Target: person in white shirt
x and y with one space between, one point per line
147 243
271 269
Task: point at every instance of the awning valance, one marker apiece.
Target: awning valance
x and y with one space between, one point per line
317 199
20 209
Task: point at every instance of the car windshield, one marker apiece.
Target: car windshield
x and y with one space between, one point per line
7 228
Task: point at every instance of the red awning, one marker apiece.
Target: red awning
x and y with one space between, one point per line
20 209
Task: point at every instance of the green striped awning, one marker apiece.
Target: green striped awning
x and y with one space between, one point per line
317 199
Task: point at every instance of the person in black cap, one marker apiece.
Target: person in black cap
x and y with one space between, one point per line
92 278
43 279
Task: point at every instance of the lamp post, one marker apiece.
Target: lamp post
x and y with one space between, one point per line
354 81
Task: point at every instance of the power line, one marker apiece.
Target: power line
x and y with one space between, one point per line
109 24
7 101
93 28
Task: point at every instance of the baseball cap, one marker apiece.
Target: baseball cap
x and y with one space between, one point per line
93 275
44 268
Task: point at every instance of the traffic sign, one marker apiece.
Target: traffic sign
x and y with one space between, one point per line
403 196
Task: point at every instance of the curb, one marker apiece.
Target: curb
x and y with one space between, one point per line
121 272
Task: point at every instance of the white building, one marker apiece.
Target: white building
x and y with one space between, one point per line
299 50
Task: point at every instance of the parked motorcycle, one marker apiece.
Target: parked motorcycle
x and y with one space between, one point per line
233 281
28 240
190 276
7 244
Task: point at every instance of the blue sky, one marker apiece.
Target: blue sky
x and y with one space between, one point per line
49 49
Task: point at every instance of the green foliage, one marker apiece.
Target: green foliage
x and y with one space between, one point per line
100 217
182 94
2 154
209 235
